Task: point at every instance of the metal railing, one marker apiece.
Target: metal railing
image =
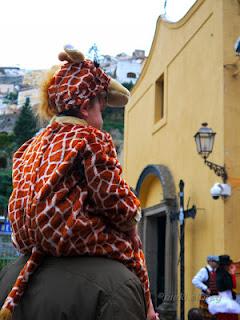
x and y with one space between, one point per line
8 253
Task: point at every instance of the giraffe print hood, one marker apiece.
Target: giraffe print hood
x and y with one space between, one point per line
75 84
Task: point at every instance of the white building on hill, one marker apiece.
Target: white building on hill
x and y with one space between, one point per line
124 68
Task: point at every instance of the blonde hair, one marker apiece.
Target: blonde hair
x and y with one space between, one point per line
45 111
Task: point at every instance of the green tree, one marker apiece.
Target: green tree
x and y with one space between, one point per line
11 97
6 141
5 190
128 85
7 147
113 119
3 162
26 124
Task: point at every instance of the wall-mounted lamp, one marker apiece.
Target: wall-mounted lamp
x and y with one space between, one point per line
204 139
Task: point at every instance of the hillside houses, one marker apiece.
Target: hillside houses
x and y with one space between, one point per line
16 84
125 68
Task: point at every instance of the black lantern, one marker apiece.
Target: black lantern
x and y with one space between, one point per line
204 139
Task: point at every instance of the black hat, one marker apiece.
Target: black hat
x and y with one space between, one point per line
225 260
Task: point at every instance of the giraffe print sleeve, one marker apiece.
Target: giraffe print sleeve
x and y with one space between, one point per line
110 193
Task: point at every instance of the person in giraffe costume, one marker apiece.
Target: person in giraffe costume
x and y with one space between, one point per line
68 196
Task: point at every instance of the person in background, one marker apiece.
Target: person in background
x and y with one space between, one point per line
224 305
195 314
205 280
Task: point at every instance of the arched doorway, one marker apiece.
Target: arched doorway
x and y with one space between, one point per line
159 233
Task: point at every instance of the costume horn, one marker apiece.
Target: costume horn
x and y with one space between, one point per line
71 54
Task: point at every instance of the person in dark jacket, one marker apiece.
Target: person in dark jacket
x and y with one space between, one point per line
224 278
67 288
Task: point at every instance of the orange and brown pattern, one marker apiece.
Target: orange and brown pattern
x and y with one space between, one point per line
74 84
69 199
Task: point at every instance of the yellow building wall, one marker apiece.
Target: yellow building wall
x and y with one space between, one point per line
151 192
191 54
231 31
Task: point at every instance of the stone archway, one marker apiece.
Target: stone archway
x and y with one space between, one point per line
151 216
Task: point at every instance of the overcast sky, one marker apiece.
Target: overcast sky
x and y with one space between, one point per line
33 32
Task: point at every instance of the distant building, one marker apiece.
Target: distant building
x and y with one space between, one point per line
6 109
123 67
33 78
109 65
11 75
3 106
139 54
192 76
11 79
128 70
32 94
6 88
7 122
129 67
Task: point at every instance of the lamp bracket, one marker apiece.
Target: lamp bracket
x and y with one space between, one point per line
220 171
234 67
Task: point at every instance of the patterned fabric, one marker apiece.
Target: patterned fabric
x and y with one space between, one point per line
212 282
204 308
226 316
75 83
69 199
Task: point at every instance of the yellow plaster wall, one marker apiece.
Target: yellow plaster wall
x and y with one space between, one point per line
231 31
151 192
191 54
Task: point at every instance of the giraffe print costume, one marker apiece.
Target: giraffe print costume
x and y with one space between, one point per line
69 199
68 196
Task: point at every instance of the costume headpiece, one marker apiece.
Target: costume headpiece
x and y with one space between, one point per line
77 81
225 260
